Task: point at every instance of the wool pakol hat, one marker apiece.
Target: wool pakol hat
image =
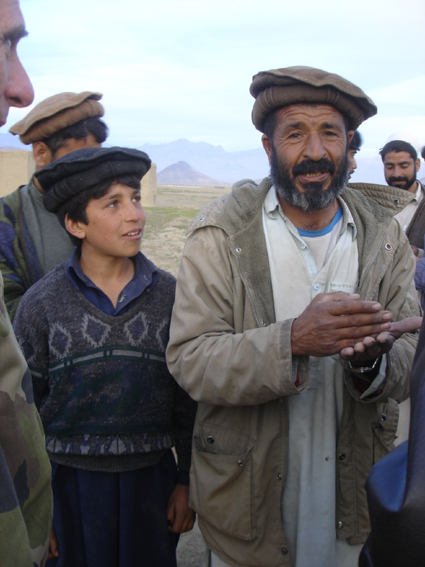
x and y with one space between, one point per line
302 85
78 171
55 113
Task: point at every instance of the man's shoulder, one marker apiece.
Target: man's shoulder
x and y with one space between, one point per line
233 211
10 205
393 199
364 204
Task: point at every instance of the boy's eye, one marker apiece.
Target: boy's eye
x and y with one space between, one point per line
137 198
112 204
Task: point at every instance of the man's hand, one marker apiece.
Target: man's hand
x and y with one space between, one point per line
180 516
373 347
53 545
335 321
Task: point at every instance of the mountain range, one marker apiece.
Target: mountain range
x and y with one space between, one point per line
218 164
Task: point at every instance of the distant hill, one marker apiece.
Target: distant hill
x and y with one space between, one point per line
181 173
213 161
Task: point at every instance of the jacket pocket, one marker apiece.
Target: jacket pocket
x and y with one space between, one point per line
221 483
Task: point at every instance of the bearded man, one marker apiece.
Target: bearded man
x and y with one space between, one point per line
280 331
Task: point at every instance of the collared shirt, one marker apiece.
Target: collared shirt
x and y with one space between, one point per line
298 275
144 279
405 216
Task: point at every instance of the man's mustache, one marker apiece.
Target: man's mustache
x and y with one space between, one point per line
311 166
392 179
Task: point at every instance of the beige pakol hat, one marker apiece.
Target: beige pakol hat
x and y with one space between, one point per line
57 112
300 85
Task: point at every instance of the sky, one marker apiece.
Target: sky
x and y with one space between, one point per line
171 70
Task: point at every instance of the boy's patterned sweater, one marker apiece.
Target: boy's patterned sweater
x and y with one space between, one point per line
105 396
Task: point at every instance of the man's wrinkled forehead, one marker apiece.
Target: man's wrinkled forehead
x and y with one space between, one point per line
319 115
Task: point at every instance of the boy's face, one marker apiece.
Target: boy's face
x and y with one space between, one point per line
115 223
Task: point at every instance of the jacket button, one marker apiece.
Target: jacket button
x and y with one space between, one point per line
279 476
284 551
340 525
341 456
240 463
388 246
210 439
384 417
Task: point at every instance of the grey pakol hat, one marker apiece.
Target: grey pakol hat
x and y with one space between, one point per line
78 171
300 85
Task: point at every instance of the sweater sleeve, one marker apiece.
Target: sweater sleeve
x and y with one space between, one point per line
184 419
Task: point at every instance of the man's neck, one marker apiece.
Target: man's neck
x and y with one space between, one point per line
313 220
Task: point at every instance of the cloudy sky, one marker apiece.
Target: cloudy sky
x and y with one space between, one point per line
181 69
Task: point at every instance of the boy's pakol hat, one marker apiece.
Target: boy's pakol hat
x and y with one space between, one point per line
78 171
303 85
55 113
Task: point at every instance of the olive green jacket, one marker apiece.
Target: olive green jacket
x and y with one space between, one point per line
25 492
228 352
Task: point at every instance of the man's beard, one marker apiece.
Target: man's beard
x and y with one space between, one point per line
408 182
314 197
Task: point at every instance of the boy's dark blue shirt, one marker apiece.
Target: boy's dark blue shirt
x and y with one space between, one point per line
144 279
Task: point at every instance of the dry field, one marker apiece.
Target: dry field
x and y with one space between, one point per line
166 225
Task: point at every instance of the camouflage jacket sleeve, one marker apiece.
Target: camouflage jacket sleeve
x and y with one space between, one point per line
25 492
14 244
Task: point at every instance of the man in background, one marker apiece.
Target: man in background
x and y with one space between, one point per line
401 164
32 241
355 145
25 493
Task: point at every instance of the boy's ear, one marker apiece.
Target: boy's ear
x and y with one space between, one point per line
42 155
76 228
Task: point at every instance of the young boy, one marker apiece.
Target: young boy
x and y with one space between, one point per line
94 333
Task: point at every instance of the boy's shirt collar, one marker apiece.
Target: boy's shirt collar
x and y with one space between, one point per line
145 277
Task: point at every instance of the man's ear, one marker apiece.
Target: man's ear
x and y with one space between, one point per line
267 145
42 155
76 228
418 165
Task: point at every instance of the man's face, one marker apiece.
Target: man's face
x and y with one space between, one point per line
15 86
400 170
308 155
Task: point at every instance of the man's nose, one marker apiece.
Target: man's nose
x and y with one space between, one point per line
314 148
19 91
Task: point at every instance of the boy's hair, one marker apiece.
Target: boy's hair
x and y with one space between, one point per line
75 207
398 146
356 142
78 131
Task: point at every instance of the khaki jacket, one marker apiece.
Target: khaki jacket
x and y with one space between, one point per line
228 352
395 199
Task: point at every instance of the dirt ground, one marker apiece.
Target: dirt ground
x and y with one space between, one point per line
166 225
163 242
